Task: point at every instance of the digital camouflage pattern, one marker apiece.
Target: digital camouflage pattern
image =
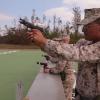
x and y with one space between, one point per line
87 54
60 65
69 80
64 67
90 16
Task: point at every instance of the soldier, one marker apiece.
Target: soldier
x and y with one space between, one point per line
64 68
87 54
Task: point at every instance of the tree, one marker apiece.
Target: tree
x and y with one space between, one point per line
59 21
76 18
14 22
67 27
54 23
44 18
33 16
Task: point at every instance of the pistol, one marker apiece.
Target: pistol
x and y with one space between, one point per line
41 63
30 25
45 66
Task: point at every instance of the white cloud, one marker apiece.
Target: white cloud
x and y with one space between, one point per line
62 12
83 3
4 17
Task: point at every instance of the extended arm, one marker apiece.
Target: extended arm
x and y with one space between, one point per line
69 52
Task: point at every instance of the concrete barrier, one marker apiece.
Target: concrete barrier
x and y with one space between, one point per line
46 87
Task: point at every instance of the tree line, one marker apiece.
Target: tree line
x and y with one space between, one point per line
18 33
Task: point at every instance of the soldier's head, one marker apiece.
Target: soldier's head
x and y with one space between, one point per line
66 39
91 24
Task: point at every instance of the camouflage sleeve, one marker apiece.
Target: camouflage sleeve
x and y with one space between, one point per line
59 67
53 59
73 52
55 70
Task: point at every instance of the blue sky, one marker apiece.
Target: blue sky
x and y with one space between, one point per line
10 9
24 7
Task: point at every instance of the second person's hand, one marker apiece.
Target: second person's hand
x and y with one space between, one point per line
38 38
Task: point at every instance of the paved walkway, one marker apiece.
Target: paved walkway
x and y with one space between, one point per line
46 87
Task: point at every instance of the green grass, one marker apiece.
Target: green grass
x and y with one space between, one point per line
17 66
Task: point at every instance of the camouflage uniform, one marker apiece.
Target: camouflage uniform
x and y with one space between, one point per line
87 54
69 80
65 69
60 64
